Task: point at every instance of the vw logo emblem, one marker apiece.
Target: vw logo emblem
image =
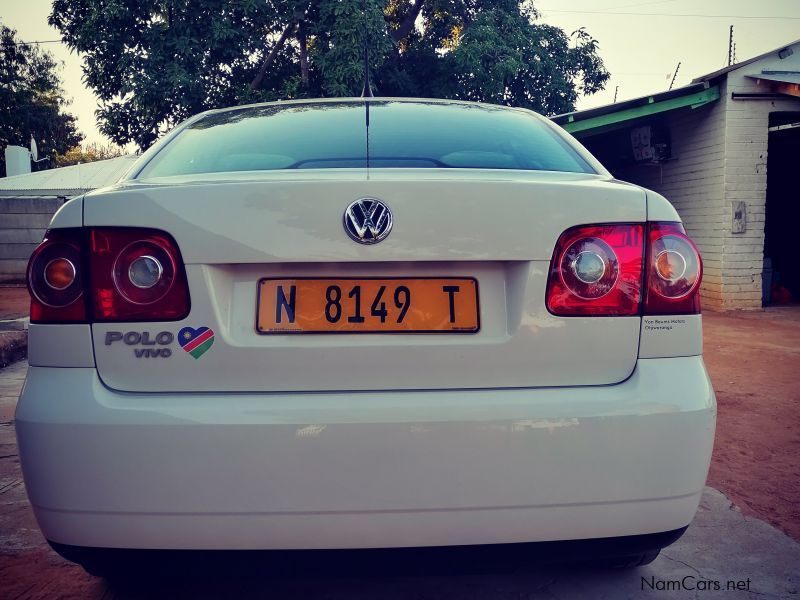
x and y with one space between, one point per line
367 220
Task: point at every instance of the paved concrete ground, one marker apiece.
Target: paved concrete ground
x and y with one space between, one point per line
721 546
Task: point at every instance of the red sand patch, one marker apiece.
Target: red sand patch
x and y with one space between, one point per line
754 362
14 302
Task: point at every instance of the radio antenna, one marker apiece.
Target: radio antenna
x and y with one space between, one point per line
367 91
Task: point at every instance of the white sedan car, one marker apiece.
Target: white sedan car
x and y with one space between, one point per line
365 323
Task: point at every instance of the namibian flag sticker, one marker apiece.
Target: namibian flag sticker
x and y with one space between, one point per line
196 341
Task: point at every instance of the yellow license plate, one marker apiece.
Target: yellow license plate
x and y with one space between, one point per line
367 305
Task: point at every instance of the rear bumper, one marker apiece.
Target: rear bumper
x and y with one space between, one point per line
364 470
358 562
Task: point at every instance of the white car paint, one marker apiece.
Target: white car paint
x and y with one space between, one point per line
366 469
274 225
537 428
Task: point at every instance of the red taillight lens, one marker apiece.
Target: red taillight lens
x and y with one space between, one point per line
55 278
107 274
597 270
137 275
674 270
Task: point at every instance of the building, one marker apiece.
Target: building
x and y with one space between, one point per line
725 150
27 203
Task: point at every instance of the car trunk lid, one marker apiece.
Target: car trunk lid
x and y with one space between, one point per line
496 227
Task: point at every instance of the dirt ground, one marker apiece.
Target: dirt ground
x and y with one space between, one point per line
754 362
14 301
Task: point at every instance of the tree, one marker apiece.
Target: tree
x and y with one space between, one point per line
32 100
88 153
153 63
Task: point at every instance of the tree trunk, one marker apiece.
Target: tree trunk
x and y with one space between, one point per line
259 78
303 42
407 24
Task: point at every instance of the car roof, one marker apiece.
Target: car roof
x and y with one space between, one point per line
364 100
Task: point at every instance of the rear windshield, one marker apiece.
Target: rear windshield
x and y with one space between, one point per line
336 136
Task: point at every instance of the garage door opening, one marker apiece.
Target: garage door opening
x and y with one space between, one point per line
781 266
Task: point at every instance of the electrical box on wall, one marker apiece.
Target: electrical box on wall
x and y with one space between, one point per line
738 217
650 143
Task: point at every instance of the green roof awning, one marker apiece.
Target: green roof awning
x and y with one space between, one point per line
613 116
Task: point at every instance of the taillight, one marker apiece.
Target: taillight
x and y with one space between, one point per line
55 278
137 275
674 271
599 270
107 274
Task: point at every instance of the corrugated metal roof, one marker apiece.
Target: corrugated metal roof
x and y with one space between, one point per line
607 109
696 86
68 181
779 76
744 63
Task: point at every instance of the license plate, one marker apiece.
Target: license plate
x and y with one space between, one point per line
367 305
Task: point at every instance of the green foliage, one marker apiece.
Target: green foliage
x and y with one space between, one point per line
32 101
156 62
338 48
88 153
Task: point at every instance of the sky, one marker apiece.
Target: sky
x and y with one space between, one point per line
640 41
